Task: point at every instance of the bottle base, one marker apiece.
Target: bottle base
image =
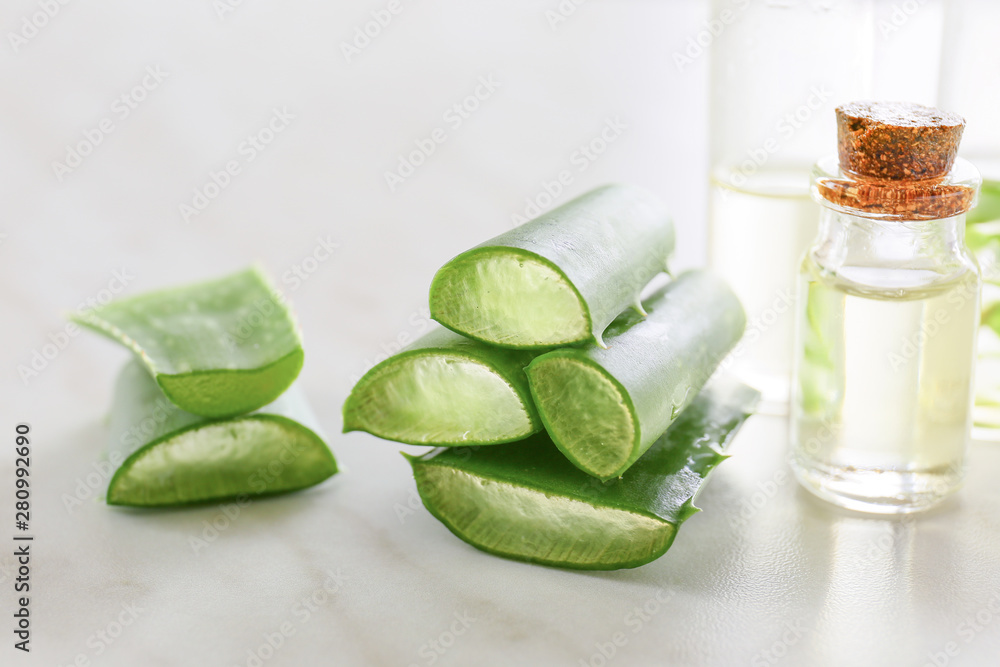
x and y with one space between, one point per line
877 491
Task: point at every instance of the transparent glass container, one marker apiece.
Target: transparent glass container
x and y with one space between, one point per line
778 69
969 74
886 343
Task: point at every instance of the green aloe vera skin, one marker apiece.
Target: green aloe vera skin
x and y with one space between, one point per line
561 278
605 407
170 457
525 501
445 390
217 349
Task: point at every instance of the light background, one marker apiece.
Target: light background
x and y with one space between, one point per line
857 591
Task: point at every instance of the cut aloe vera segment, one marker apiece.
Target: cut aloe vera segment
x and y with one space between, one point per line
525 501
561 278
605 407
172 457
217 349
445 390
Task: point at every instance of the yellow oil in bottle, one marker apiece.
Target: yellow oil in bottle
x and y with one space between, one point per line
759 231
884 384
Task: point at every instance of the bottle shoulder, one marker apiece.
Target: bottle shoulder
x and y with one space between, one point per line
914 278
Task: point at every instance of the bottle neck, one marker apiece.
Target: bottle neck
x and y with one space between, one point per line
891 254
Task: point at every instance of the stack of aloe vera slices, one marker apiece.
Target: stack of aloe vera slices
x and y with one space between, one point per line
572 421
207 408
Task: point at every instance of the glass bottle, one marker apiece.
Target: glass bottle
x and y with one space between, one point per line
888 304
777 69
968 72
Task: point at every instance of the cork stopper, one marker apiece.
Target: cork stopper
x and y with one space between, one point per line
898 162
897 140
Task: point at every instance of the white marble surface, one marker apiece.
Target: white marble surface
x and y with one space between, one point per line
794 582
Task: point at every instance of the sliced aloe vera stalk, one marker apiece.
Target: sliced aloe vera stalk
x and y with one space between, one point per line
605 407
445 389
172 457
525 501
561 278
217 349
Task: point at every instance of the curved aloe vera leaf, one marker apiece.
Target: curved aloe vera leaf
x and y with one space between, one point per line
561 278
527 502
172 457
217 349
446 390
605 407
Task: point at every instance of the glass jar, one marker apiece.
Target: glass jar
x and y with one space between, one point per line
888 301
777 70
968 63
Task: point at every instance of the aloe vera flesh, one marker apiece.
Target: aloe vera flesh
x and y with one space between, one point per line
445 390
561 278
217 349
605 407
171 457
525 501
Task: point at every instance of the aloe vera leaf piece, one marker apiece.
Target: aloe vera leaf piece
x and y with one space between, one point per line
991 317
170 457
445 390
525 501
217 349
605 407
561 278
821 378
